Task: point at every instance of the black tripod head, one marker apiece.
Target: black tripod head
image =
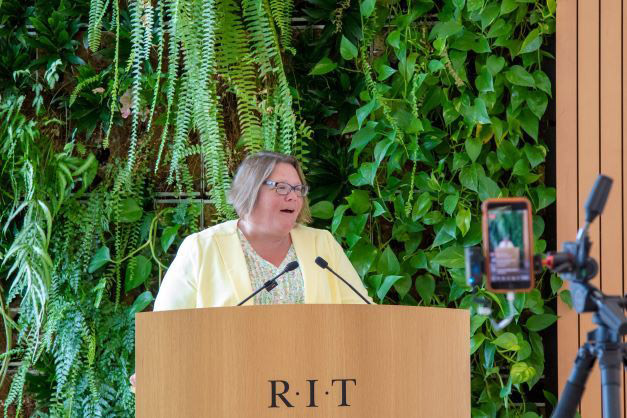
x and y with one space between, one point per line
574 264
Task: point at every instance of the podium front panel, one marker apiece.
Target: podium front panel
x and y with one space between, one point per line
303 361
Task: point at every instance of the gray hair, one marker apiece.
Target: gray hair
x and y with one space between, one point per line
251 174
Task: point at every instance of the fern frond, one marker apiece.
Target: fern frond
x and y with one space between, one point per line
281 11
116 66
81 85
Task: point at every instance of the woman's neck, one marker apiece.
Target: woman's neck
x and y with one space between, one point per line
255 234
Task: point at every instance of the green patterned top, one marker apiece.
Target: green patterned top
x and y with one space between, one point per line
290 287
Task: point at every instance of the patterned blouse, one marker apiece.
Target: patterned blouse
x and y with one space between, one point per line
290 287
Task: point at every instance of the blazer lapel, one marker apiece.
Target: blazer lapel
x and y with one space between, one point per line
234 261
306 253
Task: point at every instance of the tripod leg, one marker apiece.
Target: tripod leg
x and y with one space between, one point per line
610 362
571 395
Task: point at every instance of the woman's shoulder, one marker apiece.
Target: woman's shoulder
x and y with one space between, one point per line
208 234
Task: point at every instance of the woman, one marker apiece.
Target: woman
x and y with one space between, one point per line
222 265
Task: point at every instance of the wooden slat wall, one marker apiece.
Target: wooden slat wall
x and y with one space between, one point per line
590 130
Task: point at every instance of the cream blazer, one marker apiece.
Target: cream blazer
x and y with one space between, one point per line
210 270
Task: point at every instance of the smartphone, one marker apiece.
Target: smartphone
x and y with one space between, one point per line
508 244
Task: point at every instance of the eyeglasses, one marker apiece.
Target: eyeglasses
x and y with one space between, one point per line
285 188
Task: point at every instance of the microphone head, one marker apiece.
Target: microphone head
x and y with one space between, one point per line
321 262
292 265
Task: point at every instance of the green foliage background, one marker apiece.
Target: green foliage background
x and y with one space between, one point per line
406 116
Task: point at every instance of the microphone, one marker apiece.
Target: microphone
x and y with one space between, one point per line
271 284
323 264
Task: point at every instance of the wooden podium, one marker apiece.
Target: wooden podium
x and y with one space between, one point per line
303 361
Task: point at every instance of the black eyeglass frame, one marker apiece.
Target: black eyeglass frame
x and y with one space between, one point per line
301 189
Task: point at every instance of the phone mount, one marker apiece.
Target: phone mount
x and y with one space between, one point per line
475 269
574 264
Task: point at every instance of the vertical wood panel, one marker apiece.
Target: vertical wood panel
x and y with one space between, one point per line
590 95
589 161
611 149
566 185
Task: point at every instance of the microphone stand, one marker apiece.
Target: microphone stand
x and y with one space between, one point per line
272 283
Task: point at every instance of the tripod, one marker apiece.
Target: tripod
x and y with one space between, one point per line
605 342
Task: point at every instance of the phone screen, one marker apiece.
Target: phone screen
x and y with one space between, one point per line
509 236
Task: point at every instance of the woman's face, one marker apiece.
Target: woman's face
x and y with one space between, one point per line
275 213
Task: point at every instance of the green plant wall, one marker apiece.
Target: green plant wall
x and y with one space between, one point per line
406 116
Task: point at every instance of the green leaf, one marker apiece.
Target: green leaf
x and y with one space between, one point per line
419 260
538 226
362 256
518 76
394 39
425 286
100 258
529 122
421 206
363 137
364 111
403 285
347 49
488 355
450 203
433 217
508 6
459 4
388 263
435 66
443 236
537 102
130 211
378 209
365 176
141 302
556 283
359 201
540 322
322 210
532 42
325 65
463 220
475 342
484 81
137 275
384 72
366 7
479 113
566 298
474 5
337 217
542 82
546 196
473 147
386 285
451 257
535 154
507 341
475 322
489 14
507 154
469 176
495 64
522 372
524 352
534 302
168 236
443 30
